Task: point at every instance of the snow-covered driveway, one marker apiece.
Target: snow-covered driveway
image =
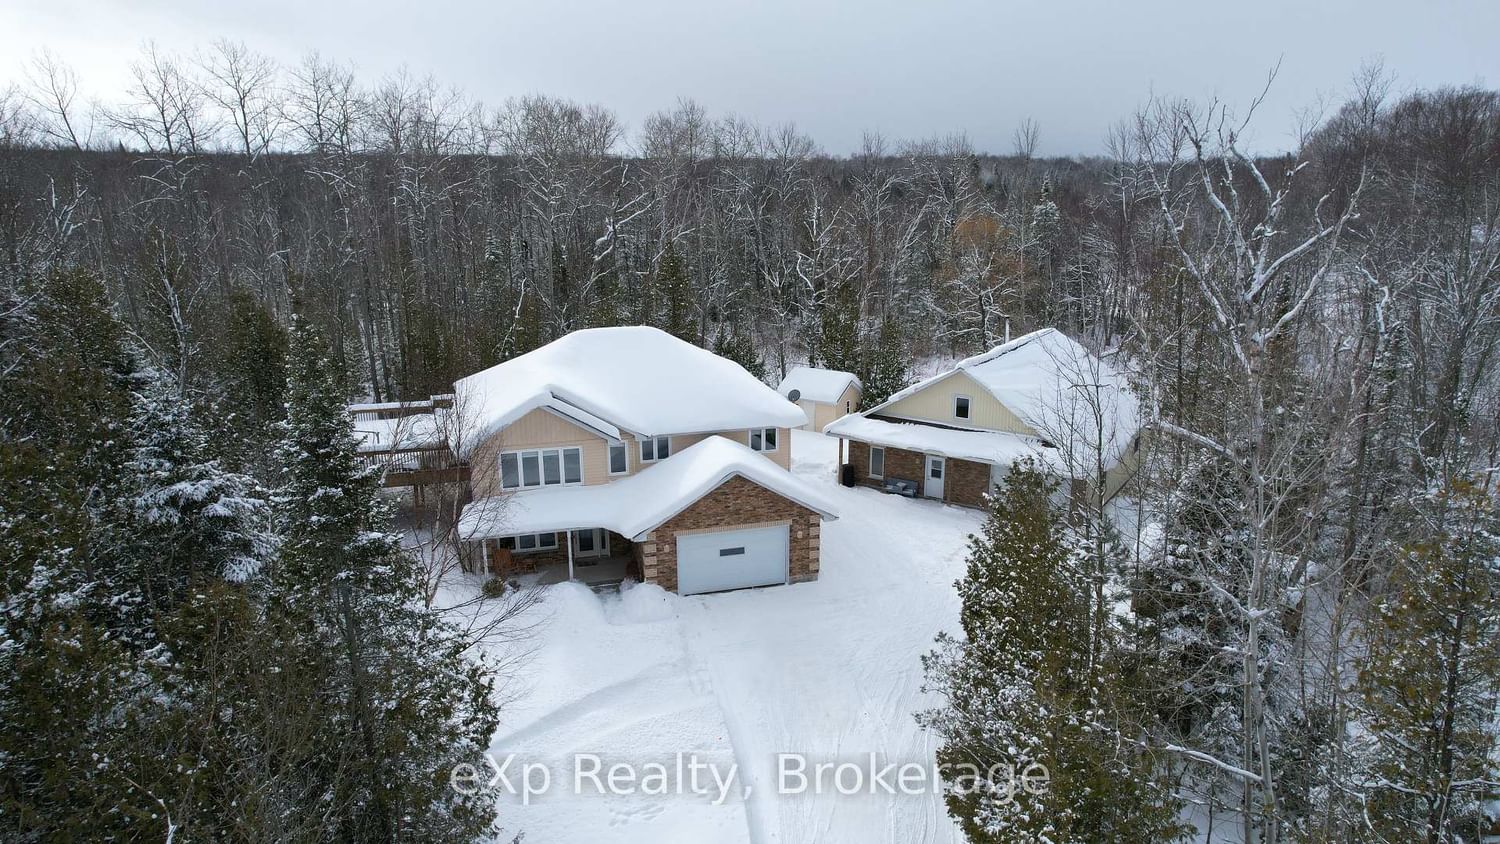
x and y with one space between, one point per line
829 669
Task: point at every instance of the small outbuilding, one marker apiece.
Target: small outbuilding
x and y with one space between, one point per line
823 394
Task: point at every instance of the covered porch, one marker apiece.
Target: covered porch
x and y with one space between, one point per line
593 556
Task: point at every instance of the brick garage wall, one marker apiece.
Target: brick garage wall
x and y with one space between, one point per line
736 503
966 483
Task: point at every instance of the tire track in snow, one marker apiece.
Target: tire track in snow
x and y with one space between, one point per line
703 672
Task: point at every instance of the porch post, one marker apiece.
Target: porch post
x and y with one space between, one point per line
484 560
570 553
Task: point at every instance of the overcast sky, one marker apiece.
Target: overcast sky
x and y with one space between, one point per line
908 69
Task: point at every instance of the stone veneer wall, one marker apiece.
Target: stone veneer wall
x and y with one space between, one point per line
966 483
736 503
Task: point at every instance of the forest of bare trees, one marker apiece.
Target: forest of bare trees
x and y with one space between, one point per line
1315 333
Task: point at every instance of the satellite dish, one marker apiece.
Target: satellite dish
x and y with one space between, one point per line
794 395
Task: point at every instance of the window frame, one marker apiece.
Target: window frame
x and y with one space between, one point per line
775 440
968 414
656 449
871 467
539 458
537 544
609 457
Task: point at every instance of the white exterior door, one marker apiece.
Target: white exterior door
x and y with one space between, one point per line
592 542
937 467
731 559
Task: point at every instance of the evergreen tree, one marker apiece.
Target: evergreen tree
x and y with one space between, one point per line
251 368
885 364
395 702
674 290
1428 685
1019 694
738 347
837 343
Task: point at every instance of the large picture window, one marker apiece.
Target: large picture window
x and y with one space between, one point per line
541 467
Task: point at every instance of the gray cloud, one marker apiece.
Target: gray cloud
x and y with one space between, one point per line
905 69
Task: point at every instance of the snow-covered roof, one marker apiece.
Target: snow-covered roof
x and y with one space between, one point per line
1057 387
634 505
820 385
638 378
996 447
419 430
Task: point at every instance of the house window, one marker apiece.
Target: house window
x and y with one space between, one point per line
762 439
528 542
848 406
541 467
655 448
960 407
618 465
877 462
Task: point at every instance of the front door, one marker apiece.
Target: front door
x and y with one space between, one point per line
936 468
591 543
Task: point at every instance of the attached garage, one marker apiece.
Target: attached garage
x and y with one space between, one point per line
718 561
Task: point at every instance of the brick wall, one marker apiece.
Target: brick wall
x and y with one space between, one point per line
736 503
966 482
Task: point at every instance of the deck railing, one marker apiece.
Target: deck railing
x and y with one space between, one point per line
411 459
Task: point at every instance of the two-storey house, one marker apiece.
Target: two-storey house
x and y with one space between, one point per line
626 451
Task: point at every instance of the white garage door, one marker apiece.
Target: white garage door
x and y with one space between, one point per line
731 559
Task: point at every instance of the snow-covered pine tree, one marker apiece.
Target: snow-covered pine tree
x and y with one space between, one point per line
1018 693
1428 688
68 682
387 701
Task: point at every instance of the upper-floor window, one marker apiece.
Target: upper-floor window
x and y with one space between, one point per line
618 459
655 448
762 439
541 467
960 407
849 406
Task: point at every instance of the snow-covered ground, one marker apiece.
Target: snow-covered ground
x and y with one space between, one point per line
830 670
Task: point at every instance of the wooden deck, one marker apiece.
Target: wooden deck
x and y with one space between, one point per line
417 466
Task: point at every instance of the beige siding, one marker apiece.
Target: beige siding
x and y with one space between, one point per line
542 429
782 456
823 413
809 407
537 429
934 403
